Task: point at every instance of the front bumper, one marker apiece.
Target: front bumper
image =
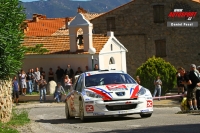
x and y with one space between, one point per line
122 107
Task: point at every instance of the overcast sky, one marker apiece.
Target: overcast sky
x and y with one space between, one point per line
38 0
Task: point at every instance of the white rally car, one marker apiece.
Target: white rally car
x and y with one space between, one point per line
107 93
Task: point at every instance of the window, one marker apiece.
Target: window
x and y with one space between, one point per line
160 48
79 84
112 61
159 13
111 47
110 23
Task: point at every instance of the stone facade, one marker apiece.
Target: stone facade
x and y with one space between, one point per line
136 30
5 100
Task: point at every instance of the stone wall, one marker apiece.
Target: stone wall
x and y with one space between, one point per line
5 100
136 30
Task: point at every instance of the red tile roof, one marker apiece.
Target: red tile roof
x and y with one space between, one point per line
44 27
61 44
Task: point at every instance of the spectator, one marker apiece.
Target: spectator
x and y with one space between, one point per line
50 75
69 71
190 80
96 67
23 82
33 79
15 90
29 81
180 86
78 72
58 92
59 74
138 79
86 69
42 85
37 78
184 103
157 83
67 82
42 72
198 92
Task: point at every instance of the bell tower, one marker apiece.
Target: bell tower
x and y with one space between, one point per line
86 38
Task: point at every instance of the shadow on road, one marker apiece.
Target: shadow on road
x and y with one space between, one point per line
89 120
192 128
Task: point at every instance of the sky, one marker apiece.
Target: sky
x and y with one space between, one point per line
38 0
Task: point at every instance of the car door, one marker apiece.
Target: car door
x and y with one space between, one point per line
77 93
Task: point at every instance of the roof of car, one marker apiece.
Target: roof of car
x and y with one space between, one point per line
103 71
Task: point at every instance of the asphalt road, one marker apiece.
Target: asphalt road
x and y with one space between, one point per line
48 118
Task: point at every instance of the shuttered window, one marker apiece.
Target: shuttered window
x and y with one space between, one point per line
159 13
160 46
111 24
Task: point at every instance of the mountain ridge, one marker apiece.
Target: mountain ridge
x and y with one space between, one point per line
67 8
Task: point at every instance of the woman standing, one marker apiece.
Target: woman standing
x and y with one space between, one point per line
157 84
67 82
23 82
51 75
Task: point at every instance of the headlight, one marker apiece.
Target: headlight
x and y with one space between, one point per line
142 91
92 94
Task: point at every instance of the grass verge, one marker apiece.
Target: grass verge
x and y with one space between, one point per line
19 118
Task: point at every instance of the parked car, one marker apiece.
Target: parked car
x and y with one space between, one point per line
107 93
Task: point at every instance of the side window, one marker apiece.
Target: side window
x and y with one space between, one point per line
111 24
159 13
79 84
160 46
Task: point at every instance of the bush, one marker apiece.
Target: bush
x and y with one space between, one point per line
154 67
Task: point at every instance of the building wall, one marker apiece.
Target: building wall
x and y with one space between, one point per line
136 30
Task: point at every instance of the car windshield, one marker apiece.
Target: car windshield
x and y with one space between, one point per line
108 78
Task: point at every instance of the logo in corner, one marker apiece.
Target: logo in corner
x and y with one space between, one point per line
182 10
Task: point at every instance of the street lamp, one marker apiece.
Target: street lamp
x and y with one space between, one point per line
92 51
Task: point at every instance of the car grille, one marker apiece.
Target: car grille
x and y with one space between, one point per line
119 100
120 107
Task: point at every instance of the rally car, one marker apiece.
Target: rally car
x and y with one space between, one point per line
107 93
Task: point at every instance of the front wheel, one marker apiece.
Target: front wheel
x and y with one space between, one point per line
145 115
81 111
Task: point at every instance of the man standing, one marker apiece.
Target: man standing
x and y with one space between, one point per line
15 90
37 78
69 71
59 74
198 92
192 82
42 85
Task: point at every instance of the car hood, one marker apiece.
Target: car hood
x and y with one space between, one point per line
116 91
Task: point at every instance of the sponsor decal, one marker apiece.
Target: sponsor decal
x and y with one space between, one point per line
149 98
145 110
98 113
182 10
128 102
133 92
106 95
149 103
89 108
87 99
116 87
123 112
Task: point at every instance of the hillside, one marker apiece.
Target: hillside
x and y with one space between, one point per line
68 8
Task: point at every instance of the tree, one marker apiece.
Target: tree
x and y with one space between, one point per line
11 52
154 67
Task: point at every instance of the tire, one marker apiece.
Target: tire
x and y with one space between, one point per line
67 112
81 111
145 115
